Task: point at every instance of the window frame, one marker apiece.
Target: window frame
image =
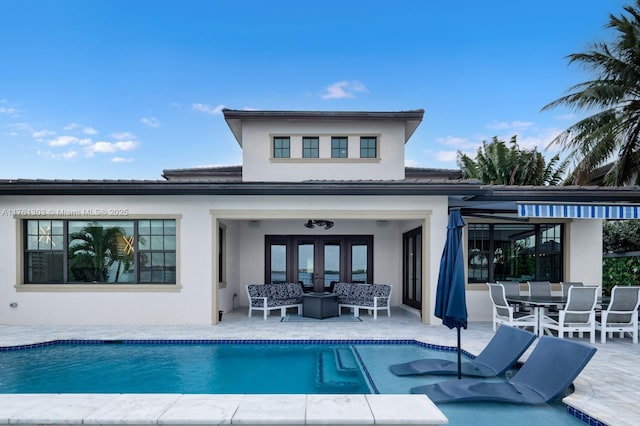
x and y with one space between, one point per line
279 150
368 149
310 147
346 242
168 269
339 150
538 253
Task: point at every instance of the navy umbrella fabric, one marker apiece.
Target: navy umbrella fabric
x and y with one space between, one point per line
451 301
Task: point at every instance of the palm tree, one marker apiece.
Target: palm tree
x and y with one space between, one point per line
611 134
498 164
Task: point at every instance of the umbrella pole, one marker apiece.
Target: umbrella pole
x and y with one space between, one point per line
459 356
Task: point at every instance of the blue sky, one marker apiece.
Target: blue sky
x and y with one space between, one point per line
124 89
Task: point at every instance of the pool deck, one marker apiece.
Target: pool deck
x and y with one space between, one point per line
608 389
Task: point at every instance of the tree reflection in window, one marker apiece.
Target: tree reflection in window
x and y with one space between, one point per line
101 251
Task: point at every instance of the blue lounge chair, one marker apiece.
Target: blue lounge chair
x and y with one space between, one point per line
549 371
502 352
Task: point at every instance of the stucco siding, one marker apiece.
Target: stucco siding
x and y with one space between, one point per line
259 166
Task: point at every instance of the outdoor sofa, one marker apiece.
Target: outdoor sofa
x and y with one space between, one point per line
268 297
373 297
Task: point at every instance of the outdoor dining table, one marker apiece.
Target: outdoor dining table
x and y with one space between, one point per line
540 303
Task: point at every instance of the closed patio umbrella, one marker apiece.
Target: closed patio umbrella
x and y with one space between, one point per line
451 301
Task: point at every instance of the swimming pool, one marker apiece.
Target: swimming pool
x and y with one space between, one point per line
230 367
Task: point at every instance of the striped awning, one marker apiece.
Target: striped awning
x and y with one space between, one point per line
579 211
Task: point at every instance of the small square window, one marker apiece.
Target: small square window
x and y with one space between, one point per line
310 147
368 147
339 147
281 147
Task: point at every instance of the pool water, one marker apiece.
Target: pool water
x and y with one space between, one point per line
263 367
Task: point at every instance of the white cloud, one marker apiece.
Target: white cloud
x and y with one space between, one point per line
208 108
109 147
513 125
447 156
41 134
150 121
121 160
64 141
410 163
16 129
343 89
458 143
83 129
123 136
5 108
68 155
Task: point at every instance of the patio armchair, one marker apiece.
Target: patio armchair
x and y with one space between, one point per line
503 313
621 315
578 315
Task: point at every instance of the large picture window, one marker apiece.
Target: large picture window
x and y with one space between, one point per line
100 251
515 252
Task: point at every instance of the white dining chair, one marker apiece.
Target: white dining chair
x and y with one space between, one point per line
503 313
539 288
566 284
621 315
578 315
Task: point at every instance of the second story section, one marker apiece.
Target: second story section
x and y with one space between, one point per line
295 146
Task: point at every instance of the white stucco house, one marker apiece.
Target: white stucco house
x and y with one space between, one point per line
320 196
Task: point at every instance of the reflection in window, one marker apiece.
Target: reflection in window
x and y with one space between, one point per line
44 254
100 251
359 263
278 263
514 252
331 264
156 251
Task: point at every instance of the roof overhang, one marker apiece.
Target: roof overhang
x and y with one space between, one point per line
235 118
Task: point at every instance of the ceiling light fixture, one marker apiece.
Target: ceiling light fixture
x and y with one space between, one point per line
312 223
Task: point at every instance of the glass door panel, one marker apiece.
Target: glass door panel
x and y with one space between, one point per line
412 268
306 265
278 263
331 265
359 263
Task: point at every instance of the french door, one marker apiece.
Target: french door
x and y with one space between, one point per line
412 268
318 262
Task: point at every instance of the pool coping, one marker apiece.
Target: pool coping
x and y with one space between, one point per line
187 409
